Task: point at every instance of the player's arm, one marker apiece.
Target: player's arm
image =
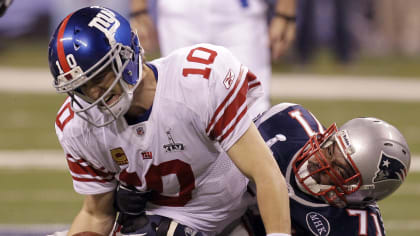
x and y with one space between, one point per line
97 215
141 21
4 4
254 159
282 27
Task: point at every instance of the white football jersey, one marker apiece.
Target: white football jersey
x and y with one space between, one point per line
179 151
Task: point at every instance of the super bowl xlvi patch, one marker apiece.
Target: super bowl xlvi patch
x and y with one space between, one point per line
172 146
119 156
390 168
318 224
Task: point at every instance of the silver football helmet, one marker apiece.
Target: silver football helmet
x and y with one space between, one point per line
382 156
376 152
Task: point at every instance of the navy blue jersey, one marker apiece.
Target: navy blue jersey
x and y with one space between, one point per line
286 128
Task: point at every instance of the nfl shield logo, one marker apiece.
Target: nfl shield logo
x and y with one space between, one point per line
140 130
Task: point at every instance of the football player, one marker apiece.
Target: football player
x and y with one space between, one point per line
239 25
160 129
336 175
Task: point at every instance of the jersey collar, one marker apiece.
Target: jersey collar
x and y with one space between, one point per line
145 116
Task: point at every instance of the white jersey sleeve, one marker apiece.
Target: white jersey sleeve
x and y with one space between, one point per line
91 175
229 89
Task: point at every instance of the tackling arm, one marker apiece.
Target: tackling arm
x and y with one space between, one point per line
96 216
255 160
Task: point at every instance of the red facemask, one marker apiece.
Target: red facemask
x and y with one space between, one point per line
316 172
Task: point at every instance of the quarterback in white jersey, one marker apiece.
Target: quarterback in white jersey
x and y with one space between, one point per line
176 127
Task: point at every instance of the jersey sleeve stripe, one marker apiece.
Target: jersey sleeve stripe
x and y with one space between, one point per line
252 80
219 109
232 114
87 179
234 125
83 171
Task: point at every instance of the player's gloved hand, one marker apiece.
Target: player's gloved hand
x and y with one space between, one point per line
130 201
152 225
143 225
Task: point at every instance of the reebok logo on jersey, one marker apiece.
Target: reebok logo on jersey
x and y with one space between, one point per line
229 79
119 156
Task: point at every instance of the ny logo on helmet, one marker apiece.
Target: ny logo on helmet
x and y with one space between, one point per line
106 22
390 168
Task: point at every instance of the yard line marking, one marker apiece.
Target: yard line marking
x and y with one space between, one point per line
54 159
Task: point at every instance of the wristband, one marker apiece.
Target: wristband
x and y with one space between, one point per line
284 16
138 13
278 234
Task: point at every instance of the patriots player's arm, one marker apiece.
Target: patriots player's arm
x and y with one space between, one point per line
254 159
96 216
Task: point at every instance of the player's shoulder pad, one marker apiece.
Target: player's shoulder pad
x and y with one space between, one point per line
214 61
274 110
204 69
68 124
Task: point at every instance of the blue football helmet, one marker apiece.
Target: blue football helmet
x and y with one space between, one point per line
86 43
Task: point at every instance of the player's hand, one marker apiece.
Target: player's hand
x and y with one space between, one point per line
139 225
282 34
130 201
146 31
152 225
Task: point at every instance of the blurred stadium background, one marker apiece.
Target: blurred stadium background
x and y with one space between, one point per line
381 78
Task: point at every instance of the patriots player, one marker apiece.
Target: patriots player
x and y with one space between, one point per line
335 176
174 132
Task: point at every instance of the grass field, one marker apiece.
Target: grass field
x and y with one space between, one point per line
47 197
29 120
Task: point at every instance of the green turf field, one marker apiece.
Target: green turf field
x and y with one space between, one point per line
29 120
47 197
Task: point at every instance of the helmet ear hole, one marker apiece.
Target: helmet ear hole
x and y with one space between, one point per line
388 144
368 199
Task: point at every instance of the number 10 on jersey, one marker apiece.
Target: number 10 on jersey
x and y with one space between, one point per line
200 55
